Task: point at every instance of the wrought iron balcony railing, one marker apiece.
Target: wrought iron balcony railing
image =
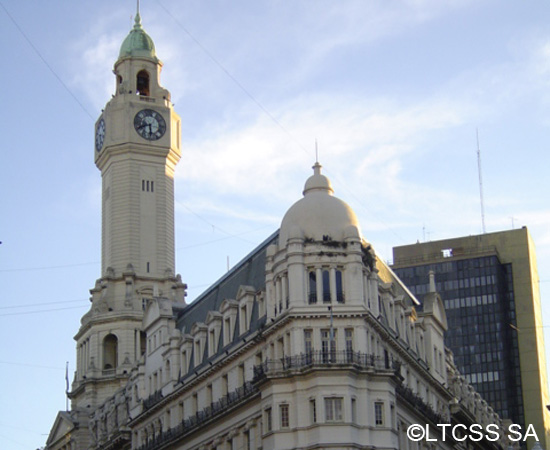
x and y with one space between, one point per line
327 358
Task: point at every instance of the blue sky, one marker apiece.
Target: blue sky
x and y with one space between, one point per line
393 91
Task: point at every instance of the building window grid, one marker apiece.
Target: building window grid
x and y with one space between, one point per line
483 287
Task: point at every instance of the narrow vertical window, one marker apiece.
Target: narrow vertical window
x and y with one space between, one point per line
142 83
326 286
283 415
313 410
246 437
308 345
339 288
241 374
110 350
379 413
312 287
325 345
268 418
349 344
353 410
142 342
184 362
225 385
181 408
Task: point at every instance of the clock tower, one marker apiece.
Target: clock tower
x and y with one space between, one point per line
137 147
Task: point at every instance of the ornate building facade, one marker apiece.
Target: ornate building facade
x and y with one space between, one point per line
311 342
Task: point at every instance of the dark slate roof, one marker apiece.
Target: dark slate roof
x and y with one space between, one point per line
250 271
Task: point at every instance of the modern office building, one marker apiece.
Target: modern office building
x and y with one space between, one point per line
311 342
490 287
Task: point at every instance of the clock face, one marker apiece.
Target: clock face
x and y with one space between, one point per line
150 124
100 135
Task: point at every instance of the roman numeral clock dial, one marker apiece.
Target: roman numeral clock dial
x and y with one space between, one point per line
150 124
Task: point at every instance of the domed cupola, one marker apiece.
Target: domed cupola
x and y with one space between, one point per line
138 43
319 215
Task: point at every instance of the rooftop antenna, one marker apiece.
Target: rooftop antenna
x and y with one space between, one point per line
480 183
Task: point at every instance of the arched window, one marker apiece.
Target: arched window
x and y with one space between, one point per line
110 344
142 83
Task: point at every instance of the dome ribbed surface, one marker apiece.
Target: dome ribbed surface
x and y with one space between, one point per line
319 215
138 43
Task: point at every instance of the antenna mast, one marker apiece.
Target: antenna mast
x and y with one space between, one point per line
480 183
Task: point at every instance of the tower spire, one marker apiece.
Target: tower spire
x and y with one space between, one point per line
138 17
316 152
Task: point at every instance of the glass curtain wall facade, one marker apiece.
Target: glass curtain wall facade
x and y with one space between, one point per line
478 295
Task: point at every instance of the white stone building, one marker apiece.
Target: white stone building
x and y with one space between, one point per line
311 342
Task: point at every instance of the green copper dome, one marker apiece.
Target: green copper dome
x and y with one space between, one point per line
138 43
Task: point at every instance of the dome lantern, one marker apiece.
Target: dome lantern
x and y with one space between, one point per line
319 215
138 43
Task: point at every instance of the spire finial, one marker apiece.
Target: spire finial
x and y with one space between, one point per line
138 17
431 288
316 152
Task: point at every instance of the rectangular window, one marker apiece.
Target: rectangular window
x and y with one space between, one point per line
181 411
349 343
308 344
353 410
325 345
244 319
339 289
268 424
283 416
313 410
241 374
246 437
326 286
195 404
212 342
333 409
312 287
379 413
184 362
226 331
225 385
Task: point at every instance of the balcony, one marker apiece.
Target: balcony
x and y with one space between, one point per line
164 439
324 359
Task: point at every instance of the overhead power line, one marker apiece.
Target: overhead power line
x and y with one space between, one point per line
30 305
41 311
50 68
